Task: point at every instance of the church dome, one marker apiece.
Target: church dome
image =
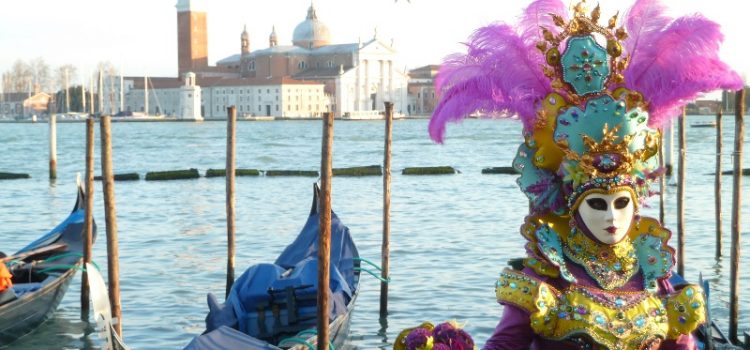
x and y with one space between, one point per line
311 32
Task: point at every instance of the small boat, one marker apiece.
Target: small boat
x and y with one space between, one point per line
708 124
273 306
42 272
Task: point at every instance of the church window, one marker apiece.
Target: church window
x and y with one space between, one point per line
268 91
258 90
259 108
277 97
240 108
277 108
330 64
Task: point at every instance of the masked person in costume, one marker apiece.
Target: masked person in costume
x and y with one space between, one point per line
592 98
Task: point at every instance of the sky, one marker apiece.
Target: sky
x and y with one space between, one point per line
140 36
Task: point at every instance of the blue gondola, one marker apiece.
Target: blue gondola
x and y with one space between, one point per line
273 306
42 272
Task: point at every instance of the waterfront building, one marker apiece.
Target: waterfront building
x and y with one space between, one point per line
728 100
196 97
301 80
358 77
422 90
24 105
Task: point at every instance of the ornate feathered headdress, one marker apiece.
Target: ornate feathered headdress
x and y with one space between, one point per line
590 96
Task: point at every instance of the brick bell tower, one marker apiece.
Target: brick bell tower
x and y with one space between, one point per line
192 37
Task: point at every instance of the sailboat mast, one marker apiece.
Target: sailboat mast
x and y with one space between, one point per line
83 95
101 92
145 95
122 92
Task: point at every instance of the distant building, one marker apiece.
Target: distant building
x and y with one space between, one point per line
209 97
358 77
422 97
728 100
24 105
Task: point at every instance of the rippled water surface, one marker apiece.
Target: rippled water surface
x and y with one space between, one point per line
450 235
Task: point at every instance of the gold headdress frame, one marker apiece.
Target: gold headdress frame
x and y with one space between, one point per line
610 146
582 24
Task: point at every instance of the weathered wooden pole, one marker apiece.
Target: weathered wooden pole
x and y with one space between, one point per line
717 183
231 136
324 240
739 139
681 197
110 216
52 143
88 221
662 178
386 247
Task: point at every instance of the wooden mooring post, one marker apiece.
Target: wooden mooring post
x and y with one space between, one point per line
231 148
385 249
324 239
88 221
110 217
52 144
717 184
739 139
662 178
681 197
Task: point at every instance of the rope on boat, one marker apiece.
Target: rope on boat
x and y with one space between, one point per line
298 339
369 262
374 274
59 267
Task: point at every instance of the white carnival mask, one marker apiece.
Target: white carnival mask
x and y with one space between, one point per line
607 216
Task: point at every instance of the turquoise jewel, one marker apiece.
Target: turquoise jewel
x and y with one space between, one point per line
619 302
600 319
513 285
689 292
695 305
640 321
585 65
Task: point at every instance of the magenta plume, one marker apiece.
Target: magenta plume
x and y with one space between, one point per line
500 75
537 15
645 19
679 64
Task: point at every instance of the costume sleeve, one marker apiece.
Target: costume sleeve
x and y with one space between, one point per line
683 342
513 332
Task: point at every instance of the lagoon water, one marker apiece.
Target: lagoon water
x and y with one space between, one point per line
450 235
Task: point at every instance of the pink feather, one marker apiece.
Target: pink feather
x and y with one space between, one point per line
643 20
499 75
537 15
680 62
